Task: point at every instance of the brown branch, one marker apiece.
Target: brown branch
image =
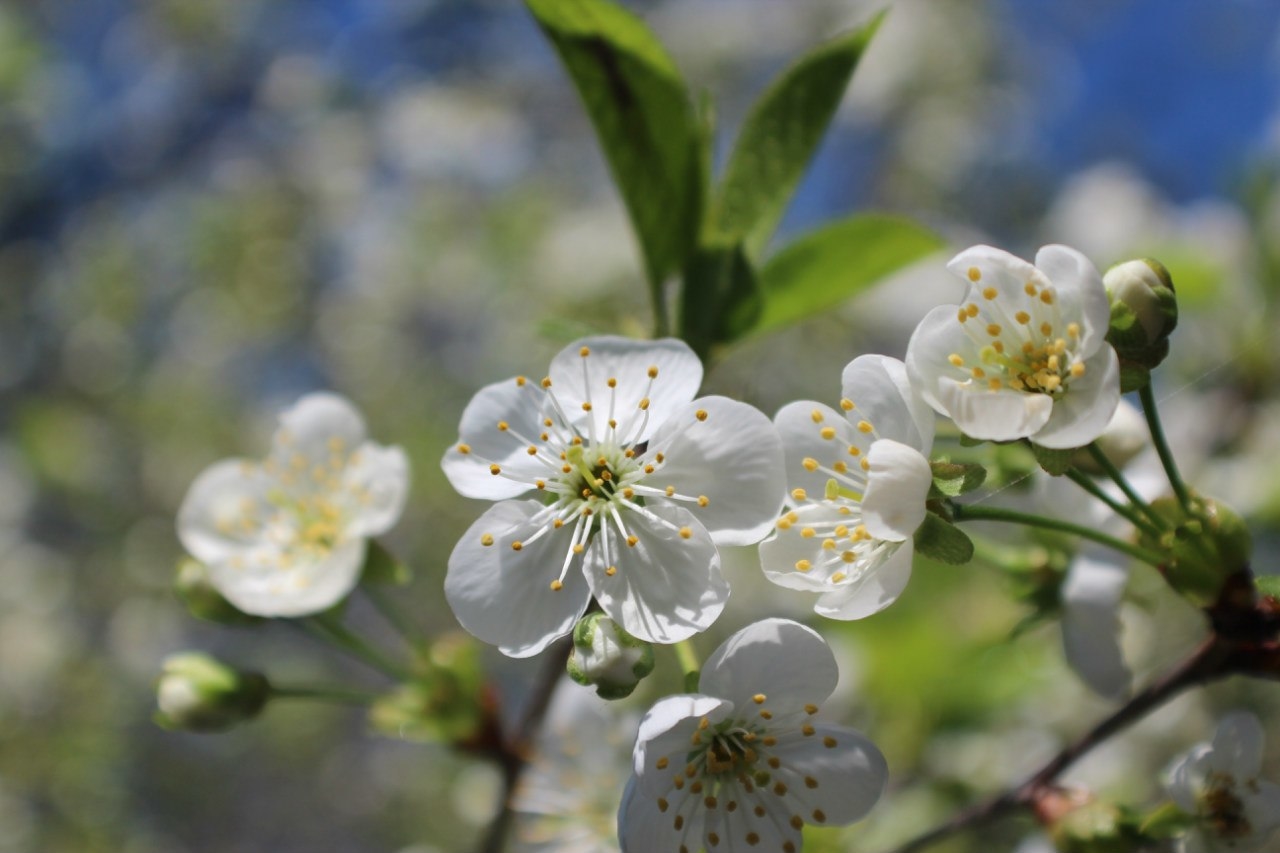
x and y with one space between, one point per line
513 753
1216 658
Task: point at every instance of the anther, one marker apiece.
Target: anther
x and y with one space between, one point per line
827 432
584 352
701 414
495 470
798 494
685 532
556 586
974 274
517 545
464 448
486 539
503 426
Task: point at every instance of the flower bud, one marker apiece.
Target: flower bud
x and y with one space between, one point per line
1206 547
203 600
608 657
1144 312
199 694
1095 827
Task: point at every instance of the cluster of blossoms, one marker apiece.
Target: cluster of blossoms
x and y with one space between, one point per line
615 485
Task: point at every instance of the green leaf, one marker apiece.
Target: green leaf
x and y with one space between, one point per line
953 479
780 136
826 267
1268 585
1055 462
720 297
943 541
382 567
644 117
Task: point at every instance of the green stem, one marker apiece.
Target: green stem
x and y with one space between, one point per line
1162 448
969 512
331 630
392 614
1135 518
1120 480
688 663
323 693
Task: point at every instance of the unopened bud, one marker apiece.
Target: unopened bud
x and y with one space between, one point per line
1207 547
1144 312
199 694
203 600
607 657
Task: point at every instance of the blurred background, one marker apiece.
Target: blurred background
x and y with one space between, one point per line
208 209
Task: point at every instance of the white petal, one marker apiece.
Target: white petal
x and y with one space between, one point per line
800 427
379 479
1185 778
1196 840
521 407
733 457
883 394
664 733
666 588
1261 801
504 596
841 783
223 495
1081 293
1091 598
873 590
275 583
1082 413
643 827
781 552
1003 415
1238 745
787 662
627 361
1006 272
316 425
897 484
938 336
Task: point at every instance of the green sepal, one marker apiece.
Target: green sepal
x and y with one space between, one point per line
1166 821
1133 377
942 541
382 567
202 599
1054 461
952 479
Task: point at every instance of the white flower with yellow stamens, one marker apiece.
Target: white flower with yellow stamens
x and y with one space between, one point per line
859 479
744 764
1218 783
287 536
637 484
1025 355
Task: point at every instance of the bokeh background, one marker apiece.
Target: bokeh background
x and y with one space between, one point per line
210 208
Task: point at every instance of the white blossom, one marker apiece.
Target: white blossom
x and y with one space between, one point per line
858 480
1025 355
745 764
287 536
637 483
1218 783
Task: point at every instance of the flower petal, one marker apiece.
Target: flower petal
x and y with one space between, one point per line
787 662
794 559
1185 778
316 426
883 394
577 379
1091 624
665 587
519 404
937 337
730 453
643 826
1004 271
834 775
274 583
1082 413
1002 415
873 590
1238 746
811 430
1261 800
664 733
503 596
898 482
378 478
1081 293
212 519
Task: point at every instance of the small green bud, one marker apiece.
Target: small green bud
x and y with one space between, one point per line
1095 827
1206 547
445 702
199 694
203 601
608 657
1144 312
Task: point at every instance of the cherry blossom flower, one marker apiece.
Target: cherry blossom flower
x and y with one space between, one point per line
744 765
1218 783
637 483
1025 355
287 536
858 481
